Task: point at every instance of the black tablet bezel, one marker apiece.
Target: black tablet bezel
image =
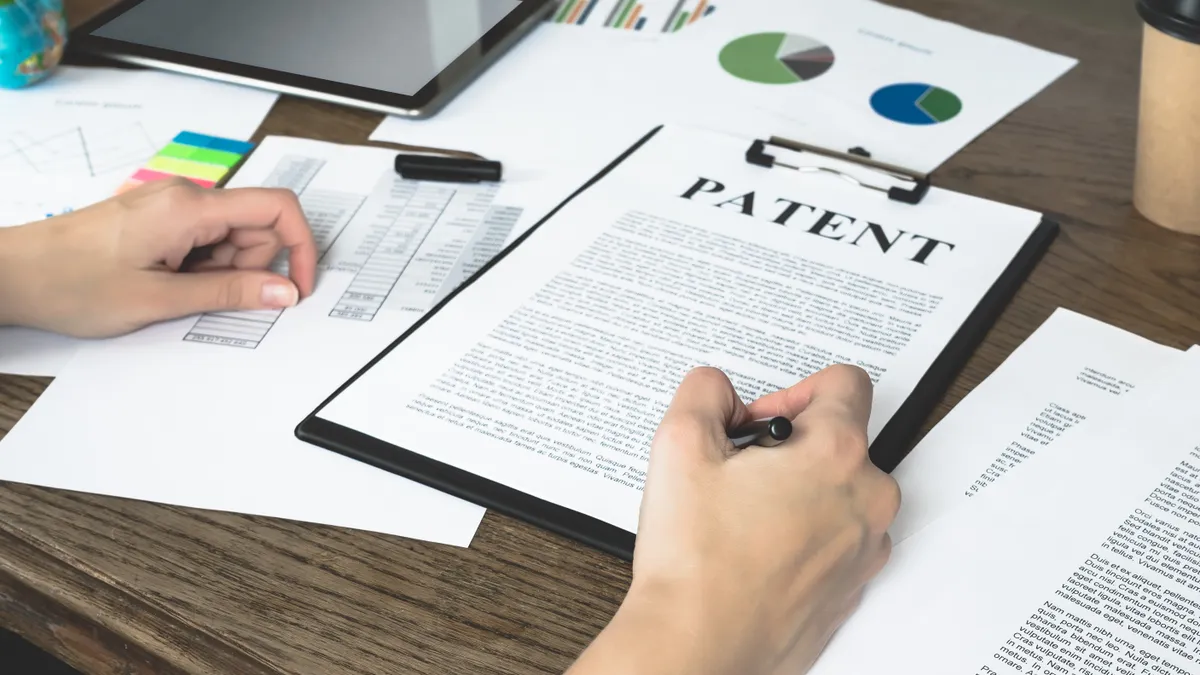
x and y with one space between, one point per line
466 67
890 447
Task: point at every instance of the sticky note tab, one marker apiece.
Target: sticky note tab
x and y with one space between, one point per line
202 155
204 160
214 143
186 168
148 175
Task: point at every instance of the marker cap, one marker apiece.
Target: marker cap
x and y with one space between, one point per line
447 169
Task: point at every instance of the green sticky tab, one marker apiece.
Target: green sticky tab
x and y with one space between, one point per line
217 157
202 155
177 151
187 168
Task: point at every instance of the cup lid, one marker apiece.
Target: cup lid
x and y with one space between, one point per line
1177 18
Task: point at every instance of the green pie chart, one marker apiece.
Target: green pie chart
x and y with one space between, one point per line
776 58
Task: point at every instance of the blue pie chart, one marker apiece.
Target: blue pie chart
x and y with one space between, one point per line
916 104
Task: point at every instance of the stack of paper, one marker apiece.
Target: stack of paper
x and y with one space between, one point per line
1051 523
200 412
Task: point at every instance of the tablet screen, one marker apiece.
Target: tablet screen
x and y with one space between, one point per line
397 46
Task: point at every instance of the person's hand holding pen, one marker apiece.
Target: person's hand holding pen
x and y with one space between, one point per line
118 265
748 561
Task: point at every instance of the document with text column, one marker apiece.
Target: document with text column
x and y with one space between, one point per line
535 387
1088 563
1071 370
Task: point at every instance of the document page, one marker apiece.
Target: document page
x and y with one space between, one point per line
390 244
200 412
1088 563
551 372
1071 370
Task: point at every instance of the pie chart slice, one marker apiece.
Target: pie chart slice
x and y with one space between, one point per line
776 58
916 104
806 57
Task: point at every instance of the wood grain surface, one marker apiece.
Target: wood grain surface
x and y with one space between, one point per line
115 586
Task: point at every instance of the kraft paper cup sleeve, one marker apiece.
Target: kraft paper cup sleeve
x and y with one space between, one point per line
1167 178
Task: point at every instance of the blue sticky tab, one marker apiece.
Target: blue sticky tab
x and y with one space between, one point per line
230 145
212 142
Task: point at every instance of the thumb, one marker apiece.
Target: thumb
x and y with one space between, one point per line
183 294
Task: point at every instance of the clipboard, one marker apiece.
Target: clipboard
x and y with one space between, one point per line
891 445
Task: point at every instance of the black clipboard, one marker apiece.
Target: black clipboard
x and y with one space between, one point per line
889 448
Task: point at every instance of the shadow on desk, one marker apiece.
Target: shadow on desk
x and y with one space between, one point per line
18 657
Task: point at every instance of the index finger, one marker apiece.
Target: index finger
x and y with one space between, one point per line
844 389
705 406
278 209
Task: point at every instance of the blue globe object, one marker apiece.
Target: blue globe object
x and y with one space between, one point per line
33 35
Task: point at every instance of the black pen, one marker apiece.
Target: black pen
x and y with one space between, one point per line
765 433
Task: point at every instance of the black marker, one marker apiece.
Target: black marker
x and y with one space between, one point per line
765 433
448 169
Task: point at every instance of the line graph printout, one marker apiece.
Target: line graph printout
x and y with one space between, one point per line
77 151
106 123
399 248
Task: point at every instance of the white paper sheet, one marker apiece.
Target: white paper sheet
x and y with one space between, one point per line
200 412
73 139
31 197
1072 370
553 108
1089 562
551 372
910 89
34 353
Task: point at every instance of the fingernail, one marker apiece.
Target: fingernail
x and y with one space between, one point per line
279 295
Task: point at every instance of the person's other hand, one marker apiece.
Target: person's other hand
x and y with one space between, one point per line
115 266
748 562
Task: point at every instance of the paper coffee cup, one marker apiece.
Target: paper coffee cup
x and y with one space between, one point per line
1167 179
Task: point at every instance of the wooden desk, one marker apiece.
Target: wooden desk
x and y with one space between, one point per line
114 586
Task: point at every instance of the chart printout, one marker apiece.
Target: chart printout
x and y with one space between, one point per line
662 16
404 246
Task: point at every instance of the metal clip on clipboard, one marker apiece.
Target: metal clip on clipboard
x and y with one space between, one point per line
757 154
